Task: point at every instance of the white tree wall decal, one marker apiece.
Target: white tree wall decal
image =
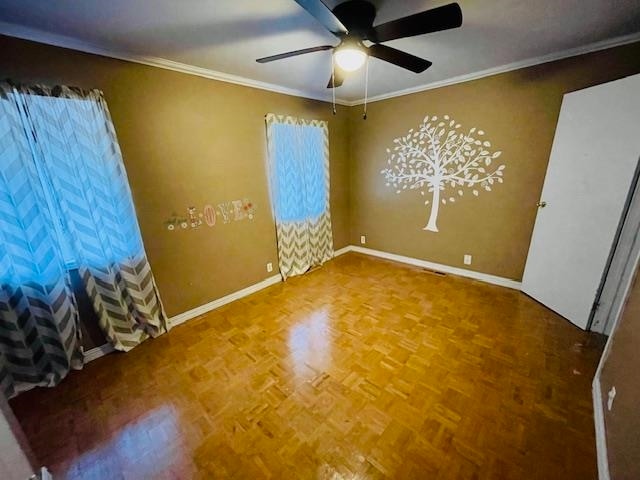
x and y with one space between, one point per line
444 160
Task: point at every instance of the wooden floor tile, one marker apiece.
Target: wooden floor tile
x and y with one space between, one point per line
362 369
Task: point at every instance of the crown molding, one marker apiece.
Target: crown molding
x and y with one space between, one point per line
40 36
26 33
509 67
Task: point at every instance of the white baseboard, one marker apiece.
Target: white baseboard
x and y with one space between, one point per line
97 352
207 307
342 251
45 474
601 438
438 267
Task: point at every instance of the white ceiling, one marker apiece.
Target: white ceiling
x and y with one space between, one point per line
228 35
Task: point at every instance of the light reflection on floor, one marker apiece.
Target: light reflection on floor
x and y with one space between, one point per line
143 449
360 370
310 344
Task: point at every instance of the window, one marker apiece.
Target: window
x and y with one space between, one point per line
65 112
298 176
298 160
64 165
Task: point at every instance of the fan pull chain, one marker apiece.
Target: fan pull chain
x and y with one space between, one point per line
333 82
366 87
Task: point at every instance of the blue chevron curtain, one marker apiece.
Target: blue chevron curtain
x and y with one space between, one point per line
39 334
299 183
64 193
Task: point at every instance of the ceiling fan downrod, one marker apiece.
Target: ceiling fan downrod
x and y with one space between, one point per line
333 83
366 87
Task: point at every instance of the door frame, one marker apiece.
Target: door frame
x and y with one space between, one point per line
621 264
612 320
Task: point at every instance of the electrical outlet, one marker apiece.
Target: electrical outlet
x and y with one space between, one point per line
467 259
269 267
363 239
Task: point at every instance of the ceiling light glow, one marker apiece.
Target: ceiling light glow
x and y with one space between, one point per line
350 59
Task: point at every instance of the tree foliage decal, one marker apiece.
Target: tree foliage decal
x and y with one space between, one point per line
441 159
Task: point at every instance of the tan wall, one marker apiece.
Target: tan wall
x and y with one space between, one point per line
518 111
190 141
620 369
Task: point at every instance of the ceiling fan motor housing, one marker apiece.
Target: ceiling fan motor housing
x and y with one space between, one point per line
357 16
352 22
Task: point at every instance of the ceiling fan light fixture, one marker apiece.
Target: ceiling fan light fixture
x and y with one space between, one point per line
350 58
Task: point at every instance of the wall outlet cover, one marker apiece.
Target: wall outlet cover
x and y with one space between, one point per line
363 239
467 259
269 267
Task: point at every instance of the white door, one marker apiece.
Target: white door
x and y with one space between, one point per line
594 156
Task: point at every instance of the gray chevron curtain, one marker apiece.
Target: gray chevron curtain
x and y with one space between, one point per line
298 159
76 143
65 203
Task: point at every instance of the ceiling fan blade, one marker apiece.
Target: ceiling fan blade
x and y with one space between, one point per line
294 53
339 80
324 15
434 20
399 58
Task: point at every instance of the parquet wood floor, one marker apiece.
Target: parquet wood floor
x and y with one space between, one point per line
362 369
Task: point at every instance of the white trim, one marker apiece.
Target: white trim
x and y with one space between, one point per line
35 35
45 474
207 307
342 251
601 438
509 67
622 270
598 408
483 277
97 352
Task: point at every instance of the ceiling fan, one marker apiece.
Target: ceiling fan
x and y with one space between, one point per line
352 23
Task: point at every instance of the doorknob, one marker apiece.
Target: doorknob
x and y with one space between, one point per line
541 204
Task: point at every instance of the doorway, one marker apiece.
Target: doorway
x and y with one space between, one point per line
585 229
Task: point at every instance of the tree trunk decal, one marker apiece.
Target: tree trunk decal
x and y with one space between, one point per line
433 216
441 159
